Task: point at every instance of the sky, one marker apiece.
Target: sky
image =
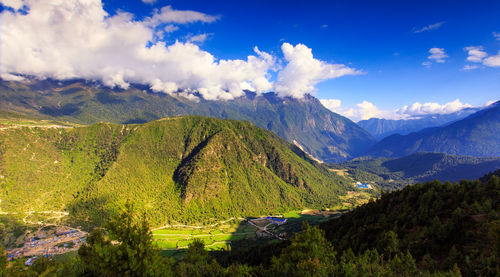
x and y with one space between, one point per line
362 59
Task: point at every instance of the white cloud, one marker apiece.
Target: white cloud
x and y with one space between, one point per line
430 27
331 104
493 61
362 111
149 1
417 108
171 28
427 64
14 4
476 54
199 38
169 15
437 54
302 71
324 26
78 39
470 67
366 110
496 35
490 102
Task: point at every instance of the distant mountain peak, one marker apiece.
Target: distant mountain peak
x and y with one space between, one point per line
477 135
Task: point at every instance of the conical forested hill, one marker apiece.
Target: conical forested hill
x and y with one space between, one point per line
179 169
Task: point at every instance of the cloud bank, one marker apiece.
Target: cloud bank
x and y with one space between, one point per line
366 110
78 39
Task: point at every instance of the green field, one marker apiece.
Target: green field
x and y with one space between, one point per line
219 237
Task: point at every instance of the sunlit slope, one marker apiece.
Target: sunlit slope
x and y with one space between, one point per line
181 169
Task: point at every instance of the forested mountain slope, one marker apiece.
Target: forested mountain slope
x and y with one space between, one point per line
179 169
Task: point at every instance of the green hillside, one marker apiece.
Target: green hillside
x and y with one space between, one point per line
180 169
439 224
421 167
320 132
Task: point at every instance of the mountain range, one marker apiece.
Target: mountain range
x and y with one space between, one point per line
476 135
305 122
381 128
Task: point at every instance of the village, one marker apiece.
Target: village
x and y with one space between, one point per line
48 241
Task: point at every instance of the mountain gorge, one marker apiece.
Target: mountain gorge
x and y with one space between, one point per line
304 122
179 169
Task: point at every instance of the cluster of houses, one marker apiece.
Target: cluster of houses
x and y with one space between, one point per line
58 243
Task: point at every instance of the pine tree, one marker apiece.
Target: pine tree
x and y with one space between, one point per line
126 251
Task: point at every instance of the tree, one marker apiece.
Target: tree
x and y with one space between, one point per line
127 250
309 254
3 262
198 262
388 244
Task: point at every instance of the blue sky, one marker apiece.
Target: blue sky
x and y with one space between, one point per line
377 37
389 41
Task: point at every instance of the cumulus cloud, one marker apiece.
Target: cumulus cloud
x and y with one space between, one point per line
362 111
78 39
149 1
430 27
476 54
417 108
14 4
332 104
437 55
302 71
366 110
493 61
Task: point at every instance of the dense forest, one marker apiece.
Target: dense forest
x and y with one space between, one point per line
181 169
430 229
